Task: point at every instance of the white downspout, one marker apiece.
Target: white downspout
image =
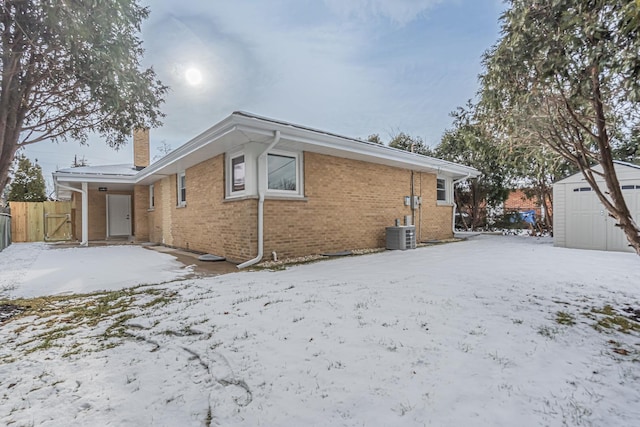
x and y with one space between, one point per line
455 206
261 190
85 210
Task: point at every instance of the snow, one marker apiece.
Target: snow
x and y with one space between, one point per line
448 335
32 270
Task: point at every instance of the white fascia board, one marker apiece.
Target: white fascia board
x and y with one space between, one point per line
622 170
93 178
210 135
631 165
246 124
365 149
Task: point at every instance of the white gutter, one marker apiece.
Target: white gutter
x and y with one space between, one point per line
455 206
261 190
85 210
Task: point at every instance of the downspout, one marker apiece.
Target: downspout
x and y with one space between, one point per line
455 206
85 210
261 190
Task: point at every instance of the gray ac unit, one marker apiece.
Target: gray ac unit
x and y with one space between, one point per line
401 237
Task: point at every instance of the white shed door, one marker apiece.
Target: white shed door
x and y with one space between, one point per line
616 240
587 219
588 223
118 215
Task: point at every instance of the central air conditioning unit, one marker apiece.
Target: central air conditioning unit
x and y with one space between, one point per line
401 237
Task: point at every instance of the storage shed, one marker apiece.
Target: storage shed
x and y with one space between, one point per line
581 221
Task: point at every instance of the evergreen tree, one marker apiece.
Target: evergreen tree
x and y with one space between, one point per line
375 138
469 143
407 142
566 74
28 183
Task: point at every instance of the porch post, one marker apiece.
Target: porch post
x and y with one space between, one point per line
85 214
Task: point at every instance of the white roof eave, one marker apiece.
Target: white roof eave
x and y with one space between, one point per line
366 150
186 150
94 178
239 128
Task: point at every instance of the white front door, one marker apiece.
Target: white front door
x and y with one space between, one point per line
118 215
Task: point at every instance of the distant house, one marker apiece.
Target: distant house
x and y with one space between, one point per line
518 201
251 186
581 221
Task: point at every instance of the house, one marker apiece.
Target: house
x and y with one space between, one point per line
251 186
518 201
581 221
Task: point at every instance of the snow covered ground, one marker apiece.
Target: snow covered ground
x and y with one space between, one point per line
31 270
494 331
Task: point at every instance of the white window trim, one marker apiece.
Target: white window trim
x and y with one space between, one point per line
299 191
229 175
447 191
152 197
181 203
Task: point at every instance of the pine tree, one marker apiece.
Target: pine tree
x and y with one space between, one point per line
28 183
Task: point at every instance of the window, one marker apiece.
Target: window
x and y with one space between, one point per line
237 174
441 190
182 189
282 172
152 199
581 189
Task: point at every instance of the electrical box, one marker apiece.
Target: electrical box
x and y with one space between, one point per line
402 238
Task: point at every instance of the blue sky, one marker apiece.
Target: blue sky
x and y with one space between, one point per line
352 67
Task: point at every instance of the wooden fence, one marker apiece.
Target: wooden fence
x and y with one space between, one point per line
40 221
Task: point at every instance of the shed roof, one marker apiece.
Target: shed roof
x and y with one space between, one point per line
624 171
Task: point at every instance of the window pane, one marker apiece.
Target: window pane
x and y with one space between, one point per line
282 173
182 188
441 190
237 172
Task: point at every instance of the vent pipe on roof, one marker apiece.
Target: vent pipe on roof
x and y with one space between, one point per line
262 187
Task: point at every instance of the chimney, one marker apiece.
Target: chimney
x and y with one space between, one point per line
141 148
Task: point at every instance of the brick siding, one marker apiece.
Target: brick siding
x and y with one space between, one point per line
347 205
97 213
141 147
518 201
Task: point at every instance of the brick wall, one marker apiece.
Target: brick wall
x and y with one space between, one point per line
347 205
141 147
97 213
207 223
434 219
140 207
518 201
